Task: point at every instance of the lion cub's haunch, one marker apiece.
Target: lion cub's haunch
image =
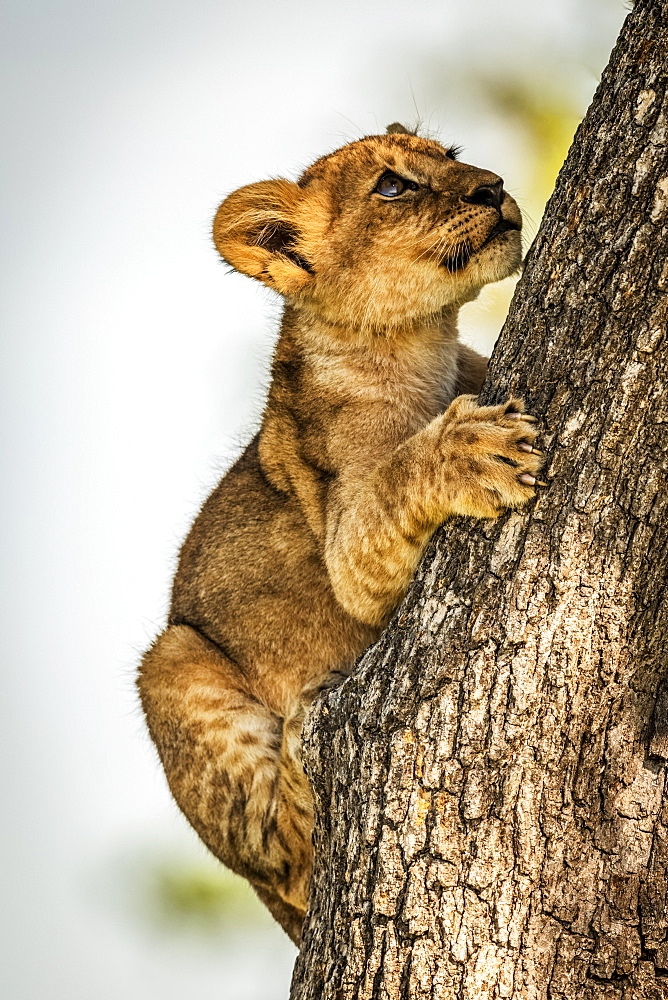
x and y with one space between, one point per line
301 553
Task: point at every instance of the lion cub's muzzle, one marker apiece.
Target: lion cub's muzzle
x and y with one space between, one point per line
460 254
502 226
489 195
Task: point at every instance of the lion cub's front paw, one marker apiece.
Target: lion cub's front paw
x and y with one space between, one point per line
490 460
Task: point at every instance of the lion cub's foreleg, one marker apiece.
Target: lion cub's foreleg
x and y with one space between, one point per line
471 460
233 767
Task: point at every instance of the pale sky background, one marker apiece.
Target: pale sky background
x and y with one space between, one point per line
133 367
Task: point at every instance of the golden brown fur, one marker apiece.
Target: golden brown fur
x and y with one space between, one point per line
301 553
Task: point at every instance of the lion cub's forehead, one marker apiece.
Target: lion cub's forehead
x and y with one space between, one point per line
363 158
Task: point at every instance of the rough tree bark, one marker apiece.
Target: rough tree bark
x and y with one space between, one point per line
490 782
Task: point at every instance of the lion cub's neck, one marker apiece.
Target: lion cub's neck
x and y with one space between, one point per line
412 370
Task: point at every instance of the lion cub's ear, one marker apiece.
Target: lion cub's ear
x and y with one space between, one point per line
254 231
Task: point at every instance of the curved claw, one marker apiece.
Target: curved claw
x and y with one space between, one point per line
513 415
529 448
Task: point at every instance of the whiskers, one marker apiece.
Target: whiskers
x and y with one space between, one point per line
460 258
451 253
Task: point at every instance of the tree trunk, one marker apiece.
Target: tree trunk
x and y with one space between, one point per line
492 818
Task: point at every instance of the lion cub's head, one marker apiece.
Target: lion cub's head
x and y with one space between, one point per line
381 232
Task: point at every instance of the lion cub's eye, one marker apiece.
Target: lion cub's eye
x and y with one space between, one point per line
391 185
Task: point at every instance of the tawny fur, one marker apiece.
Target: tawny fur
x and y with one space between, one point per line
301 553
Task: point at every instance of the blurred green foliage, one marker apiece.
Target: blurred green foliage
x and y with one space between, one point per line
185 891
545 116
541 113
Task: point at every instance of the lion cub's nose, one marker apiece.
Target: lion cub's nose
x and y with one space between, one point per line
487 194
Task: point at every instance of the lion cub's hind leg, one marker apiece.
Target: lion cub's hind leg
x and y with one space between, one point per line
231 764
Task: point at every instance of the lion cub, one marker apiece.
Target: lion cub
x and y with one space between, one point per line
303 550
